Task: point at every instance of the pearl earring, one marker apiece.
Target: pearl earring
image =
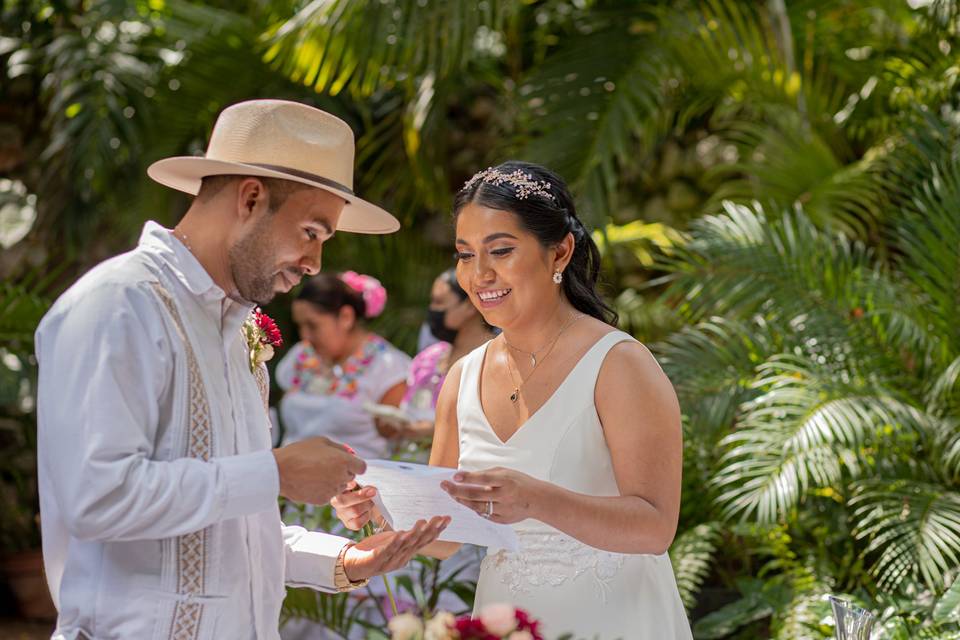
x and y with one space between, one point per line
557 277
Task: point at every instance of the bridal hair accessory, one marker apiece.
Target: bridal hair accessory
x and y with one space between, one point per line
523 182
262 336
374 294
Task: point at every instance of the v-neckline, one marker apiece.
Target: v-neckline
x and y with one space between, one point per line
520 427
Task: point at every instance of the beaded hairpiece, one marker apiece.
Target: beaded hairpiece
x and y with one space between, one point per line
523 182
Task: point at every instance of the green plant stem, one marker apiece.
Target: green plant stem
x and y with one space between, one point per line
368 531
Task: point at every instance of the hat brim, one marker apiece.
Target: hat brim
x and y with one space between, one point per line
185 173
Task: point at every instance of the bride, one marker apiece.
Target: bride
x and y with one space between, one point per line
561 426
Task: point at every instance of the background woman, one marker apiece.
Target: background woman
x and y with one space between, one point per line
339 366
458 325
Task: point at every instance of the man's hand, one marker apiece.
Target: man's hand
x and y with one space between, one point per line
390 550
315 470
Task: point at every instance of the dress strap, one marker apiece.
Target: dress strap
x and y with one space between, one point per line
588 369
470 377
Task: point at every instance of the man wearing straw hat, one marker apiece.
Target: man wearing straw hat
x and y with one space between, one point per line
158 485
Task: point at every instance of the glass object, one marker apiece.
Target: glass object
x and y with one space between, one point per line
852 622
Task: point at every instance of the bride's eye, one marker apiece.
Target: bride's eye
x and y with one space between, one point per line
503 252
462 256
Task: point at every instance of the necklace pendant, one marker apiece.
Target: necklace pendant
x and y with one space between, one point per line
515 395
533 360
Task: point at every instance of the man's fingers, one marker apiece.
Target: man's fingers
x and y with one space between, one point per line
356 465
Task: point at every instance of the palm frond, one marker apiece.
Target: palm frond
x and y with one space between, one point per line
712 366
583 122
802 433
947 608
912 530
788 165
692 556
333 45
928 233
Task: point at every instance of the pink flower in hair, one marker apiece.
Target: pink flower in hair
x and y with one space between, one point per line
374 295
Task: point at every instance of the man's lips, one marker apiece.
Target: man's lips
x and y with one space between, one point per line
289 279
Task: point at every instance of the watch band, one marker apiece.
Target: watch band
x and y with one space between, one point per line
340 580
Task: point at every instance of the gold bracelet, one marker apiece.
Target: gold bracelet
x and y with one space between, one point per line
341 581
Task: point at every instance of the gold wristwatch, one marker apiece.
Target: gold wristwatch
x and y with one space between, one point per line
340 580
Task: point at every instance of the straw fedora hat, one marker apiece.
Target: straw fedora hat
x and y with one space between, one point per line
280 139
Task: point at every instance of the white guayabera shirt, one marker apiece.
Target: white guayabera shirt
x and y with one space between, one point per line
158 490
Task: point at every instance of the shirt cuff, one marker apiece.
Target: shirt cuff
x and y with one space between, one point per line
251 481
312 559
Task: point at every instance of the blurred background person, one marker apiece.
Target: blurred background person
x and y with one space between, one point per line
339 366
459 329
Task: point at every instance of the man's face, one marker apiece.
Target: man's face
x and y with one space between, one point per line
280 247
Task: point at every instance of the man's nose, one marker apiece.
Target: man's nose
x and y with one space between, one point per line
311 263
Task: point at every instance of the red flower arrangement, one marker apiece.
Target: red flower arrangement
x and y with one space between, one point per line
271 334
494 622
262 336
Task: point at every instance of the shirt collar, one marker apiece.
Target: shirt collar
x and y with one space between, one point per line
181 262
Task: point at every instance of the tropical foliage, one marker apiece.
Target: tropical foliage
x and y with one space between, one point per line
774 185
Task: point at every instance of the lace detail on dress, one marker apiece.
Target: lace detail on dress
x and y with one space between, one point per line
550 558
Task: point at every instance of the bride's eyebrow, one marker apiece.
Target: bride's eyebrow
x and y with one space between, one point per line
490 238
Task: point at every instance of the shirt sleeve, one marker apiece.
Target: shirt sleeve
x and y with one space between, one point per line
311 558
393 367
105 364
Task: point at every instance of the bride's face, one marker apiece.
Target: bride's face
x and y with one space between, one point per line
503 268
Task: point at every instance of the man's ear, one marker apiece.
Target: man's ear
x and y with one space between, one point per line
252 198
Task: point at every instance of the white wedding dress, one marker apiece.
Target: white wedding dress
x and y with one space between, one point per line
569 586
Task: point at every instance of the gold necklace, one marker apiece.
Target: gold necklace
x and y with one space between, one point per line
533 354
515 396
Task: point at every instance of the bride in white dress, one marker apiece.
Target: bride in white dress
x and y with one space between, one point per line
562 426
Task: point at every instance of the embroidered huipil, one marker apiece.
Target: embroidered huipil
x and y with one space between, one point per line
158 490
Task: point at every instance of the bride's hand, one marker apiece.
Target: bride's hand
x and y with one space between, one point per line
355 507
501 495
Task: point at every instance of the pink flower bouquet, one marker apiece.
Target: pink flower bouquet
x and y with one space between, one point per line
495 622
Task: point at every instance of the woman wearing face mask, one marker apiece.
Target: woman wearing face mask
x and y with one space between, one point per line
339 367
460 328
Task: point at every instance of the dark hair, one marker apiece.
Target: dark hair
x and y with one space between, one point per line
329 294
278 189
450 277
550 220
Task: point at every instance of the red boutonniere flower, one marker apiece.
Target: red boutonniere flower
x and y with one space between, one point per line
262 336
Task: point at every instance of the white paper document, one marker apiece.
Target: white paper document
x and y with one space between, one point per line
407 492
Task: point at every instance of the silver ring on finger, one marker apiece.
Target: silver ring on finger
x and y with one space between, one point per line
489 512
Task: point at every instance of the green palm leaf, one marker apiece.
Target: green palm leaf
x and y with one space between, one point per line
591 104
787 165
928 233
800 434
712 366
692 555
912 530
333 45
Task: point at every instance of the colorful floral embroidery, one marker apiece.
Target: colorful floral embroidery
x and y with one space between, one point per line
312 375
